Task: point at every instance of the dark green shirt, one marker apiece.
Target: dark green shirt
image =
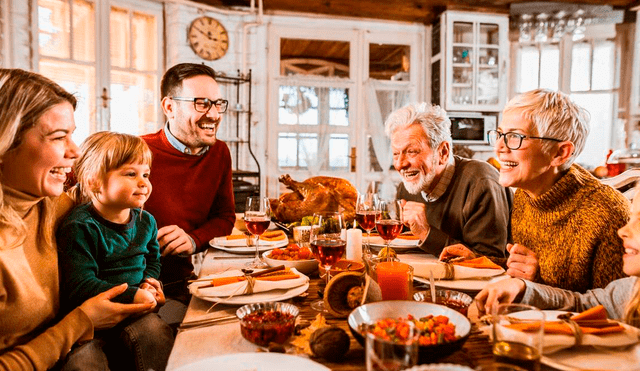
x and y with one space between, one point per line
96 254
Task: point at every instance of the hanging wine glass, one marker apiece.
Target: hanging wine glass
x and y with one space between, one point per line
257 217
327 244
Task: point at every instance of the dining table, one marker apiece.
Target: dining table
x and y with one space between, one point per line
223 337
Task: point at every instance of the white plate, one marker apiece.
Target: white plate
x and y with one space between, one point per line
266 296
463 285
243 250
440 367
398 244
255 361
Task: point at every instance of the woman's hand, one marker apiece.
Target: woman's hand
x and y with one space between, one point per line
104 313
414 215
456 250
158 292
522 262
503 291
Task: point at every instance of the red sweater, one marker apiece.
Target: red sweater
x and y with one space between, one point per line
192 192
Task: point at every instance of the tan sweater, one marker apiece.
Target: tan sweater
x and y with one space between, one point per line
31 336
573 228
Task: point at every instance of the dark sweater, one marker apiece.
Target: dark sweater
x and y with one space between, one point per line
96 254
193 192
473 211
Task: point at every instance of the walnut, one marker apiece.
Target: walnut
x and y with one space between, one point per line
330 343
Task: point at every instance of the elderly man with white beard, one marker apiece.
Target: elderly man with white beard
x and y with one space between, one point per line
447 200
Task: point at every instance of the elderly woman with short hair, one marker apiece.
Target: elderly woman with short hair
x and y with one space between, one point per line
564 221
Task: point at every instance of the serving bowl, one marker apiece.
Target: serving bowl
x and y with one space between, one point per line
370 313
306 266
343 265
449 298
263 323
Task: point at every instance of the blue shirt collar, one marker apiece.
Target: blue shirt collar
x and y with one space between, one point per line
178 144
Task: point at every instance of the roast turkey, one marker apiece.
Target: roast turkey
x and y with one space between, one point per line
317 194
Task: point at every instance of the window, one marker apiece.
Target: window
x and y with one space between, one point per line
590 80
119 90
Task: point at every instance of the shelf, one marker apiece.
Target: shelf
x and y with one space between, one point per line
488 66
461 85
462 65
243 173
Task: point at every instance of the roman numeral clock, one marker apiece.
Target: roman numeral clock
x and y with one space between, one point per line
208 38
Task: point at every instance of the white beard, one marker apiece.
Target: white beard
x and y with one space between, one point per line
423 183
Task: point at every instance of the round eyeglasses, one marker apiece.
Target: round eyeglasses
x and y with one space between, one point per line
512 140
203 105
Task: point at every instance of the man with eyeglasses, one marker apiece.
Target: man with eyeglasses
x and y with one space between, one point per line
564 221
192 197
447 200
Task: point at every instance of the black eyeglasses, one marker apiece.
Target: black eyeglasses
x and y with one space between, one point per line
512 140
203 105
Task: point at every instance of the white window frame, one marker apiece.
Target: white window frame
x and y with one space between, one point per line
102 50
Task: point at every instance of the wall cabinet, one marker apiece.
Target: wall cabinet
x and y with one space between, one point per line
469 61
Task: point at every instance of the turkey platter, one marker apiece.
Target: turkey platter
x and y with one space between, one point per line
317 194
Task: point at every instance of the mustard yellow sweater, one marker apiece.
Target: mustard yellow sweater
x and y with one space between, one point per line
573 228
32 336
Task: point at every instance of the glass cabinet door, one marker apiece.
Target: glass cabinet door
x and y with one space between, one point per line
477 50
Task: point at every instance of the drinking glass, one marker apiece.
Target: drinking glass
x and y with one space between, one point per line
384 355
257 217
513 345
366 215
389 224
327 244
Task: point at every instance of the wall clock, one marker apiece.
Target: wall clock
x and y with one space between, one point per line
208 38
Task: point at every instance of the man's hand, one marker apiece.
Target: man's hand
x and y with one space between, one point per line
104 313
415 217
174 240
503 291
522 262
152 283
456 250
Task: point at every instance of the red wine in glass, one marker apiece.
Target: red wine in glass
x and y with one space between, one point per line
257 225
367 219
389 229
328 251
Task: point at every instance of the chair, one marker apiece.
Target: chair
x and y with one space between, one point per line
624 182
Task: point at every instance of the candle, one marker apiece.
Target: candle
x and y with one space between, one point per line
395 280
354 244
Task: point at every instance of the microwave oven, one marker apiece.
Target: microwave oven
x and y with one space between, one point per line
471 128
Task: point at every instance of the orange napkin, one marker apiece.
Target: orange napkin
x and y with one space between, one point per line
274 276
273 236
482 262
591 321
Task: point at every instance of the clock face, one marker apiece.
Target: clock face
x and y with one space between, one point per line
208 38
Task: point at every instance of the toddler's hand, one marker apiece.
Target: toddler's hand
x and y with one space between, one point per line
159 293
145 296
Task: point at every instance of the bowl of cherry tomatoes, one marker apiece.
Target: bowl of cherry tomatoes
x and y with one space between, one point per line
292 256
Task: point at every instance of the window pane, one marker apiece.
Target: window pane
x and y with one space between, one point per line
489 34
145 42
134 102
603 65
339 151
308 149
53 24
338 107
79 80
389 62
580 67
549 67
84 39
287 150
119 37
314 57
528 56
298 105
463 32
600 107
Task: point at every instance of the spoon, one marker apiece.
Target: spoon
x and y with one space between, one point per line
432 284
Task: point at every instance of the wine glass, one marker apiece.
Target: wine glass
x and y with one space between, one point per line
328 244
389 224
257 217
366 215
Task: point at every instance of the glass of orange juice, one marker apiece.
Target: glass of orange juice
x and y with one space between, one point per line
395 280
